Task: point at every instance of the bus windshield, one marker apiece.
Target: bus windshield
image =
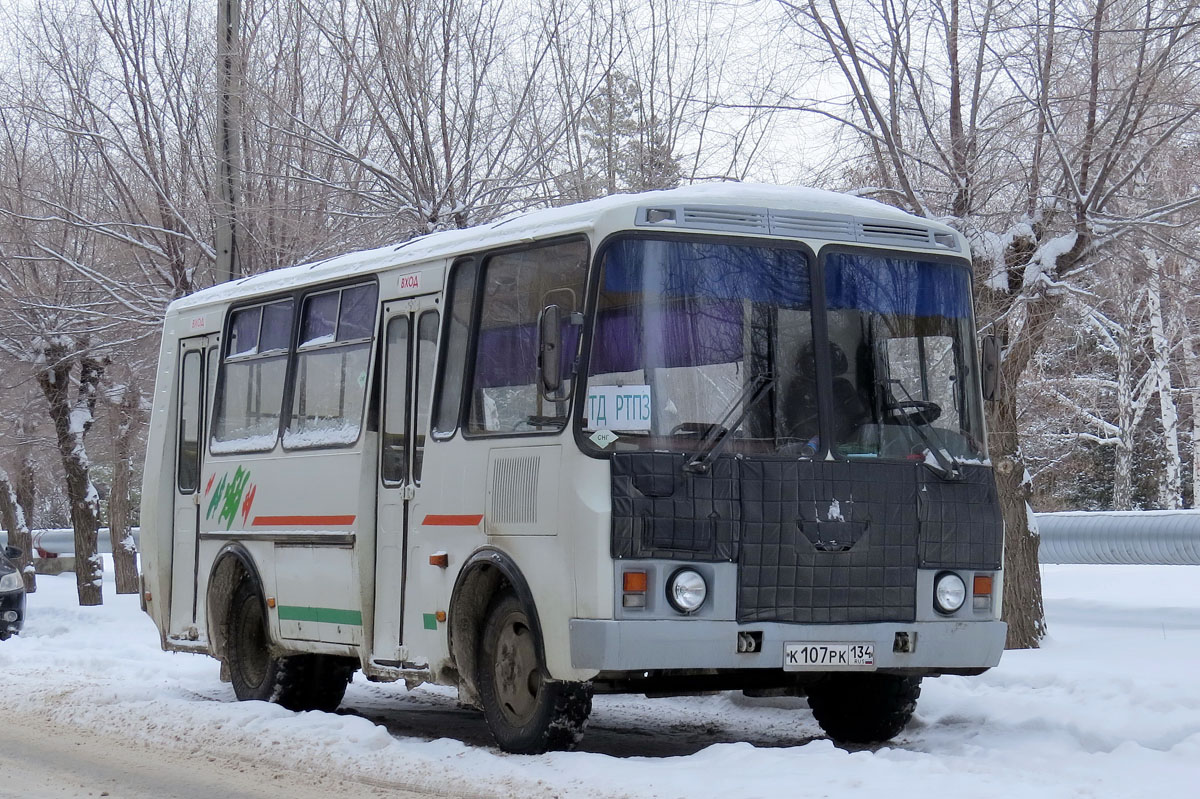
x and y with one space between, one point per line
697 342
683 329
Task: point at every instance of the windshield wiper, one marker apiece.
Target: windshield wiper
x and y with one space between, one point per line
719 433
946 466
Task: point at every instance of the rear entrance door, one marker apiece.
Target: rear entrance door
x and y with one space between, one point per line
410 330
195 355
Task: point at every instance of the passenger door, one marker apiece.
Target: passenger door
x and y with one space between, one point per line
409 334
191 437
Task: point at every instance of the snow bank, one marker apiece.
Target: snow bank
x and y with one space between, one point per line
1109 707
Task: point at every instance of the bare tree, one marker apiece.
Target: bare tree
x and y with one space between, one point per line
1026 126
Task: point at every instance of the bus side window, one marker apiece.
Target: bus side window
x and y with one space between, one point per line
332 359
517 286
451 372
250 402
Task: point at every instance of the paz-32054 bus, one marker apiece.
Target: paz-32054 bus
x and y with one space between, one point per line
722 437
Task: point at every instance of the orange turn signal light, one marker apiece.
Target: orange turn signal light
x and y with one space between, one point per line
270 601
440 615
983 584
634 581
440 559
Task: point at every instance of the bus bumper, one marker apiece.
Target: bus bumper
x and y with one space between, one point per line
932 647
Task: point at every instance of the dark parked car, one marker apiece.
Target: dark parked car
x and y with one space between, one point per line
12 594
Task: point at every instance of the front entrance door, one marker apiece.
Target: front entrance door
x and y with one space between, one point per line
193 372
410 330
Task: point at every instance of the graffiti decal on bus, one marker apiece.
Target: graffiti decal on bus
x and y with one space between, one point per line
230 496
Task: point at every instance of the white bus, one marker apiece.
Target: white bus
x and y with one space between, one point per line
722 437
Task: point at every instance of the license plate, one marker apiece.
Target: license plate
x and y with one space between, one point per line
822 656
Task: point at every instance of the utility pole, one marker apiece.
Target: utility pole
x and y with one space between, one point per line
229 134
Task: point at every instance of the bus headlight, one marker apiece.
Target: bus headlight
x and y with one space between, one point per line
949 592
686 590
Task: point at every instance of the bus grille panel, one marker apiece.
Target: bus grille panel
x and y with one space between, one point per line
661 511
815 541
961 523
827 542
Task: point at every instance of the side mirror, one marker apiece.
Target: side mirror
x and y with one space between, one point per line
990 365
12 553
550 349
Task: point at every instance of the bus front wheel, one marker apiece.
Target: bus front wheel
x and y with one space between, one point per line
297 682
526 712
864 708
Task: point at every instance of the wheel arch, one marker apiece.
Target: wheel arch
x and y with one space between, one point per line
487 572
231 565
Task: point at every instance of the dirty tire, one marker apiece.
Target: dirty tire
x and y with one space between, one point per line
297 682
526 713
864 708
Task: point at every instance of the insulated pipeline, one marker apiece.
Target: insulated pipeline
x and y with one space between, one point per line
1165 537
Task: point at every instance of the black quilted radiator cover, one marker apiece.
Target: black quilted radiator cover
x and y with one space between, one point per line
815 541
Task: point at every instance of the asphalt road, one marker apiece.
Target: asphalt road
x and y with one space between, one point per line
42 760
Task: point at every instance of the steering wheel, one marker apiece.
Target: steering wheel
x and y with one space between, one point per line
697 429
909 411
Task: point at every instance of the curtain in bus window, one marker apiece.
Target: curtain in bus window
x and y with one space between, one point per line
249 405
332 364
897 286
517 286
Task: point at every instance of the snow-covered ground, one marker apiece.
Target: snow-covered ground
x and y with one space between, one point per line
1109 707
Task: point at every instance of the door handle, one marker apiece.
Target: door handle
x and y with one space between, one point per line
409 492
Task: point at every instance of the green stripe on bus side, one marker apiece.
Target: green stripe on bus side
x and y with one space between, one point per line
323 615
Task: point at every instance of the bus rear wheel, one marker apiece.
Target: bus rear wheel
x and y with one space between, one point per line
297 682
526 712
864 708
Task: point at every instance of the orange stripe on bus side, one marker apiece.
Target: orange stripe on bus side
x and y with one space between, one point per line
302 521
443 520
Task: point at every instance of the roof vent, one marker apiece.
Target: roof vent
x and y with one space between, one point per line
797 224
879 231
746 220
821 226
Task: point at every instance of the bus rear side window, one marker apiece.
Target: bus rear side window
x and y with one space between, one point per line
250 401
332 360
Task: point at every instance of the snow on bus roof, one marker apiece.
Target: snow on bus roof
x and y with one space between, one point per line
542 223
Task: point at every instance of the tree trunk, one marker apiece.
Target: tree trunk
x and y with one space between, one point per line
71 423
1170 488
1122 494
122 424
1022 579
1022 335
26 484
13 519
